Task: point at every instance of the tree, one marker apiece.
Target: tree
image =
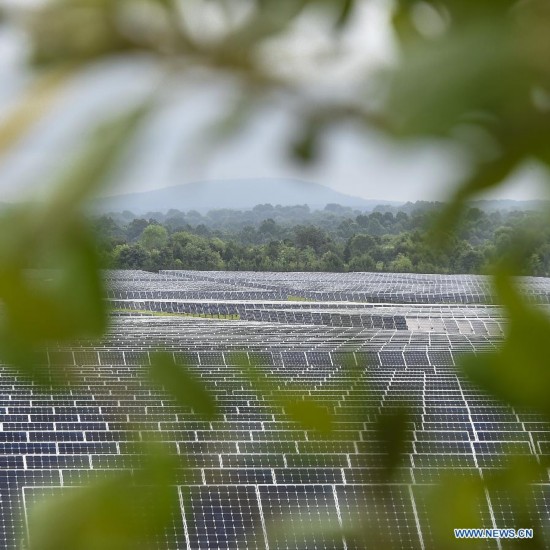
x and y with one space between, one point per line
361 244
135 228
154 237
273 249
335 208
374 227
311 236
263 209
175 222
331 262
362 220
130 256
201 256
363 262
471 261
269 228
401 264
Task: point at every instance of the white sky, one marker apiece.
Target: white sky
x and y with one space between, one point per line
173 148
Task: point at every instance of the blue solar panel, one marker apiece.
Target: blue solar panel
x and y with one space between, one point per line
361 344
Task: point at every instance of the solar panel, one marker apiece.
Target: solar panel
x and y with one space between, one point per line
362 344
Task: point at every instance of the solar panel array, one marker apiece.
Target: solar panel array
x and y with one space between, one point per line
252 465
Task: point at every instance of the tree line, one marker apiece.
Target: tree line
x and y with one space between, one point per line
335 239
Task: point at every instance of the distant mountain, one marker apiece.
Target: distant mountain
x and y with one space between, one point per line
508 205
233 194
487 205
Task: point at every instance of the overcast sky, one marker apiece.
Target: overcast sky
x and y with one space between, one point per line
173 148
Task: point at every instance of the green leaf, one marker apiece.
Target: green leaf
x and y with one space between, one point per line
484 177
63 302
309 415
519 373
99 156
455 502
125 512
33 105
66 303
321 530
303 410
440 83
182 385
392 431
305 149
345 14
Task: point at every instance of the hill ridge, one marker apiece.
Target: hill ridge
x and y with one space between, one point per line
233 194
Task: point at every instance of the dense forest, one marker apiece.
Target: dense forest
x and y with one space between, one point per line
269 238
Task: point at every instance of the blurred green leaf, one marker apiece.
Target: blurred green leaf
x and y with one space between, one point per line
182 385
482 98
303 410
517 483
34 103
440 83
50 289
309 415
99 156
66 301
321 530
345 14
268 20
519 372
125 512
392 431
233 120
306 148
485 177
75 30
455 502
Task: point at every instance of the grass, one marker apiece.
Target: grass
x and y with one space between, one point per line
230 317
298 299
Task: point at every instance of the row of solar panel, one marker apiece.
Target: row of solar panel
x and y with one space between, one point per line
426 357
392 516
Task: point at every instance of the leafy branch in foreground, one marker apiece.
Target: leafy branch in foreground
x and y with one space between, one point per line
186 389
126 511
52 236
518 373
